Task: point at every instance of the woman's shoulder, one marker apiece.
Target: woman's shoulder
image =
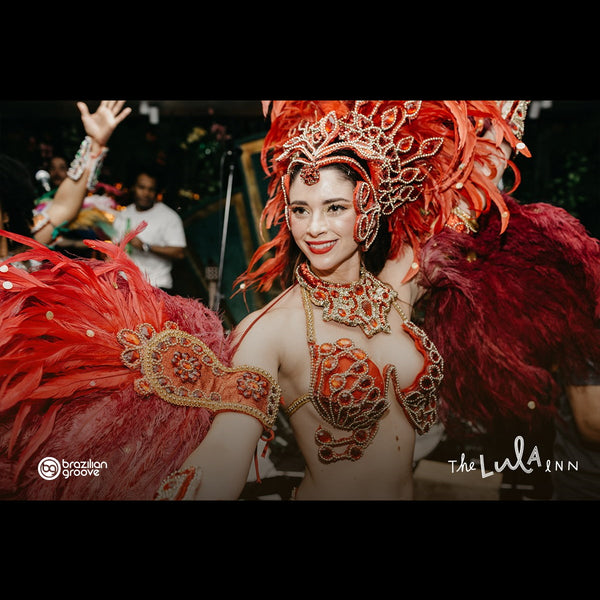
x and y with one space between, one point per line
395 273
260 338
279 312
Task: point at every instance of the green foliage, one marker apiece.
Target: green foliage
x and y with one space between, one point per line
571 188
203 152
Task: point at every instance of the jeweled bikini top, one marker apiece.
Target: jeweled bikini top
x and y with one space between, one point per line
347 388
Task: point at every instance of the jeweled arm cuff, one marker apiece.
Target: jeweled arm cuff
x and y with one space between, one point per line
179 368
179 485
84 159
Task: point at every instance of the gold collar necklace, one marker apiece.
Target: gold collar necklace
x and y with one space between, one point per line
364 303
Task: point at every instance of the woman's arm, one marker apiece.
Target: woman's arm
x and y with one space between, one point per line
69 196
223 459
585 405
172 252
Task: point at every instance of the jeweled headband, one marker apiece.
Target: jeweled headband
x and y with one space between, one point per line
396 162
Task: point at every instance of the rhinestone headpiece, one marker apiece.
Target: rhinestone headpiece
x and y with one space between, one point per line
395 164
515 111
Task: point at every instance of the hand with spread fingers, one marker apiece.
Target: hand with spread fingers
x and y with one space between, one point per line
101 124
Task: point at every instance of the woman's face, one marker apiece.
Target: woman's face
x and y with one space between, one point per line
322 218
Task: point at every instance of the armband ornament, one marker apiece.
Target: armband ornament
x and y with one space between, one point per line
84 159
180 368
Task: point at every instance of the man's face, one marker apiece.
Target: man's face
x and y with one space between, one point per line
144 192
58 170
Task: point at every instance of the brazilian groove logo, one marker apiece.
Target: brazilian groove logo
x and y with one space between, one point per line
50 468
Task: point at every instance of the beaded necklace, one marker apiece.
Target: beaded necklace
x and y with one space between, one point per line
364 303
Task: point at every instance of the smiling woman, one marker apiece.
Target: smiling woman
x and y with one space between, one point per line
358 378
353 409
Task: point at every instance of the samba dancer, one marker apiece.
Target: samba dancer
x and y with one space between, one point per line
375 204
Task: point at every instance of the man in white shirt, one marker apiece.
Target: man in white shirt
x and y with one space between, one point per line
161 242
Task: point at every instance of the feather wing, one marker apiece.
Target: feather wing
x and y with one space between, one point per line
513 314
63 386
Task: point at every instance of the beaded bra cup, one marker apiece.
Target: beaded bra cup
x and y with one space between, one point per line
347 389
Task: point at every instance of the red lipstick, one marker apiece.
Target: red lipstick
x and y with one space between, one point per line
321 247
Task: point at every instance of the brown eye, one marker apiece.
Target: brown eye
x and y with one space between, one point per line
298 210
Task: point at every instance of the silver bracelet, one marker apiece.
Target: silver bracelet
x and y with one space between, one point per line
180 485
95 168
83 159
40 220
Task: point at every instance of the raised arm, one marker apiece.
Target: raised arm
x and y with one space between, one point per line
99 126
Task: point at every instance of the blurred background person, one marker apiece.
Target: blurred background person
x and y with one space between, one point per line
162 241
57 170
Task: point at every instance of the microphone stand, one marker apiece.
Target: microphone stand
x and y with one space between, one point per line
229 159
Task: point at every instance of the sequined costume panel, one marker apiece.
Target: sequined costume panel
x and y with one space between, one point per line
179 368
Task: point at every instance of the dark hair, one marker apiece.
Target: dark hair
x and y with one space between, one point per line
375 257
17 195
148 170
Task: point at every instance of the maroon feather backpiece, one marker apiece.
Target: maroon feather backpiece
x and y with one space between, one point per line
513 314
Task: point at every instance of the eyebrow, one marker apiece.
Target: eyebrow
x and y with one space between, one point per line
328 201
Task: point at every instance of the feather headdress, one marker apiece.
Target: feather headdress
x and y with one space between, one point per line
418 161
